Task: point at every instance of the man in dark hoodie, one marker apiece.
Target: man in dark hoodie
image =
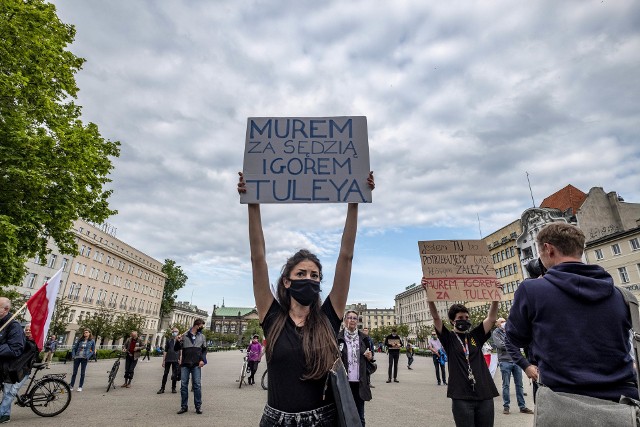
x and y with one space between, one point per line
574 321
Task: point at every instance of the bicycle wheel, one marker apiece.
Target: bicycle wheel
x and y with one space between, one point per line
49 397
243 373
265 381
112 375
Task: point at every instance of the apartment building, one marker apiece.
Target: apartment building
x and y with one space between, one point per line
108 273
373 317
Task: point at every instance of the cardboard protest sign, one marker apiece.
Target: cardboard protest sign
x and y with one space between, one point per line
458 270
306 160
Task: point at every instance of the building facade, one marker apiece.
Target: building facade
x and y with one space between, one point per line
504 254
106 273
182 313
232 320
373 318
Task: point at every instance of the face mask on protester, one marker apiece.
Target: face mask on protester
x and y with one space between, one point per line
175 334
462 325
304 291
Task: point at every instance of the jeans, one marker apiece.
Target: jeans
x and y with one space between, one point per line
355 391
507 368
195 372
321 417
393 363
82 362
472 413
10 392
439 367
409 361
174 374
129 366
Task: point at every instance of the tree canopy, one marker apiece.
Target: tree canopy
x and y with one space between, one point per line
52 166
100 324
176 280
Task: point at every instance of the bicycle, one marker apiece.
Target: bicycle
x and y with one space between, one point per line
114 370
48 396
243 371
264 382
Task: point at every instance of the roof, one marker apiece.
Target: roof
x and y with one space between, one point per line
567 198
232 311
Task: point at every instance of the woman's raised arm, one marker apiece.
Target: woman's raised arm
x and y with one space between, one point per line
261 287
342 280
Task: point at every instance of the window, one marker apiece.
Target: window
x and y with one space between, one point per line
52 261
624 276
598 253
82 249
31 280
615 248
635 244
65 261
88 252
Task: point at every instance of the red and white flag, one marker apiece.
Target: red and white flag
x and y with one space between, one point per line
41 306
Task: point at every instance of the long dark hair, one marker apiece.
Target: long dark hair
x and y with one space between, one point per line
318 338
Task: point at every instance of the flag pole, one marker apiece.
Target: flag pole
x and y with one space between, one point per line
13 317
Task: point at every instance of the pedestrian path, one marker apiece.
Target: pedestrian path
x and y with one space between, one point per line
416 400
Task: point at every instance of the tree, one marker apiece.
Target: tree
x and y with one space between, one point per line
253 327
52 166
182 328
423 332
176 279
478 315
59 318
403 330
127 322
100 324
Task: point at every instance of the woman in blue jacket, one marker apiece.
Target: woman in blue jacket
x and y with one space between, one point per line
83 349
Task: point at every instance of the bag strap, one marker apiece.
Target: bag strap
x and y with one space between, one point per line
634 309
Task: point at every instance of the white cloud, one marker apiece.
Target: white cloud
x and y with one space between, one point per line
461 98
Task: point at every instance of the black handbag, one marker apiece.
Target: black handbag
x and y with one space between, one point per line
346 411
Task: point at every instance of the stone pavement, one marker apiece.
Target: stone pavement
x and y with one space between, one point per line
415 400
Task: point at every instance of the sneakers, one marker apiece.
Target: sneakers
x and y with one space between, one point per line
198 411
445 383
124 385
395 380
182 410
160 391
526 410
79 388
506 410
389 380
5 419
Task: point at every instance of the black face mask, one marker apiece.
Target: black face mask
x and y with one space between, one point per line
200 328
304 291
462 325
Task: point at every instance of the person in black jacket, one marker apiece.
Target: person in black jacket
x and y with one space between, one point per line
355 352
12 344
393 344
193 347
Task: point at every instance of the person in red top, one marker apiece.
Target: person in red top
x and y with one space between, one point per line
133 347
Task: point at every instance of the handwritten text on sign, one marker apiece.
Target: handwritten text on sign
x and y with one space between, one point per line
458 270
306 160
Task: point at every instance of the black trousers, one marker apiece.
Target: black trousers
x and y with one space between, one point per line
439 368
129 366
253 367
393 362
174 374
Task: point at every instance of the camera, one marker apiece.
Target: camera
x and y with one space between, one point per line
535 268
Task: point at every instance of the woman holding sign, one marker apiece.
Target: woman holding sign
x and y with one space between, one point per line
301 330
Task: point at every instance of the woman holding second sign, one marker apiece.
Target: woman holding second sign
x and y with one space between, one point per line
300 329
471 387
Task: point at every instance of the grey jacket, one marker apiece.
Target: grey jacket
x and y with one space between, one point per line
499 338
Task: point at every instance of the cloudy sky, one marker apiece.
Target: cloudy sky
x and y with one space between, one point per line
462 99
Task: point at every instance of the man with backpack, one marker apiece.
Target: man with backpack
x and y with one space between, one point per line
17 352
